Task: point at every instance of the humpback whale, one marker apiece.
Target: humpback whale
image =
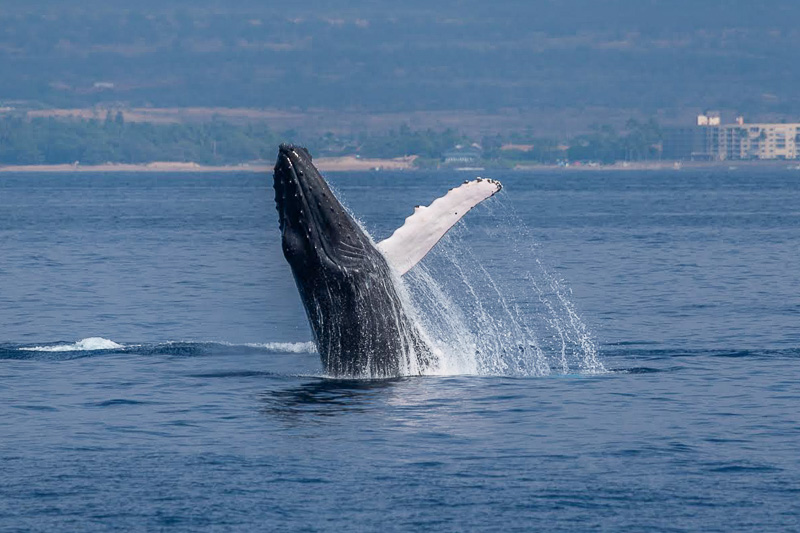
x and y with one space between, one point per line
346 282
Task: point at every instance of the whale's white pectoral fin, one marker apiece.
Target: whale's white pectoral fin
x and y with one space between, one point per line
423 229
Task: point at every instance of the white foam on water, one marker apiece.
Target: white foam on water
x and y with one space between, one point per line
284 347
84 345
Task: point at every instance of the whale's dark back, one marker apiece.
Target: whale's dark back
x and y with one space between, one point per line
360 324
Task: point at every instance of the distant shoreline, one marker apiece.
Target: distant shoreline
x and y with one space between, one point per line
356 164
326 164
667 165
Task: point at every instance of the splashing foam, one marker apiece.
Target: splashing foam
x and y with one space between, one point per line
85 345
517 321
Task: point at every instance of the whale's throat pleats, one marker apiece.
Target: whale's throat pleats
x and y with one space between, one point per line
428 224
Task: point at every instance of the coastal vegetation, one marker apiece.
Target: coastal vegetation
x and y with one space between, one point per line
50 140
55 141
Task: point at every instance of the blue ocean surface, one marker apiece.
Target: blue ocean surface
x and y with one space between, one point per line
624 355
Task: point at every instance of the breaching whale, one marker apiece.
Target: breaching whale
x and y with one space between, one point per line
346 282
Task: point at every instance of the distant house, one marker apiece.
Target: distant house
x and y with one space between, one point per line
462 155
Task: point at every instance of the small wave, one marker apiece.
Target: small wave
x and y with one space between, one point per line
285 347
222 347
91 346
84 345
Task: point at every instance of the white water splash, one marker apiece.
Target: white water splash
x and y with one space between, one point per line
84 345
498 317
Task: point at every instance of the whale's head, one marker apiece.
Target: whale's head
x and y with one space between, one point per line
319 236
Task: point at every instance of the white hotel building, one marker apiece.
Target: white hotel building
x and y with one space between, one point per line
749 141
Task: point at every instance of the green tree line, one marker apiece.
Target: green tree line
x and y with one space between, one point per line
26 141
54 141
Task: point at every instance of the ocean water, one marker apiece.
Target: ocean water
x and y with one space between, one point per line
637 338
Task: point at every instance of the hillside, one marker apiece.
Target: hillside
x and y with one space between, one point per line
572 57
